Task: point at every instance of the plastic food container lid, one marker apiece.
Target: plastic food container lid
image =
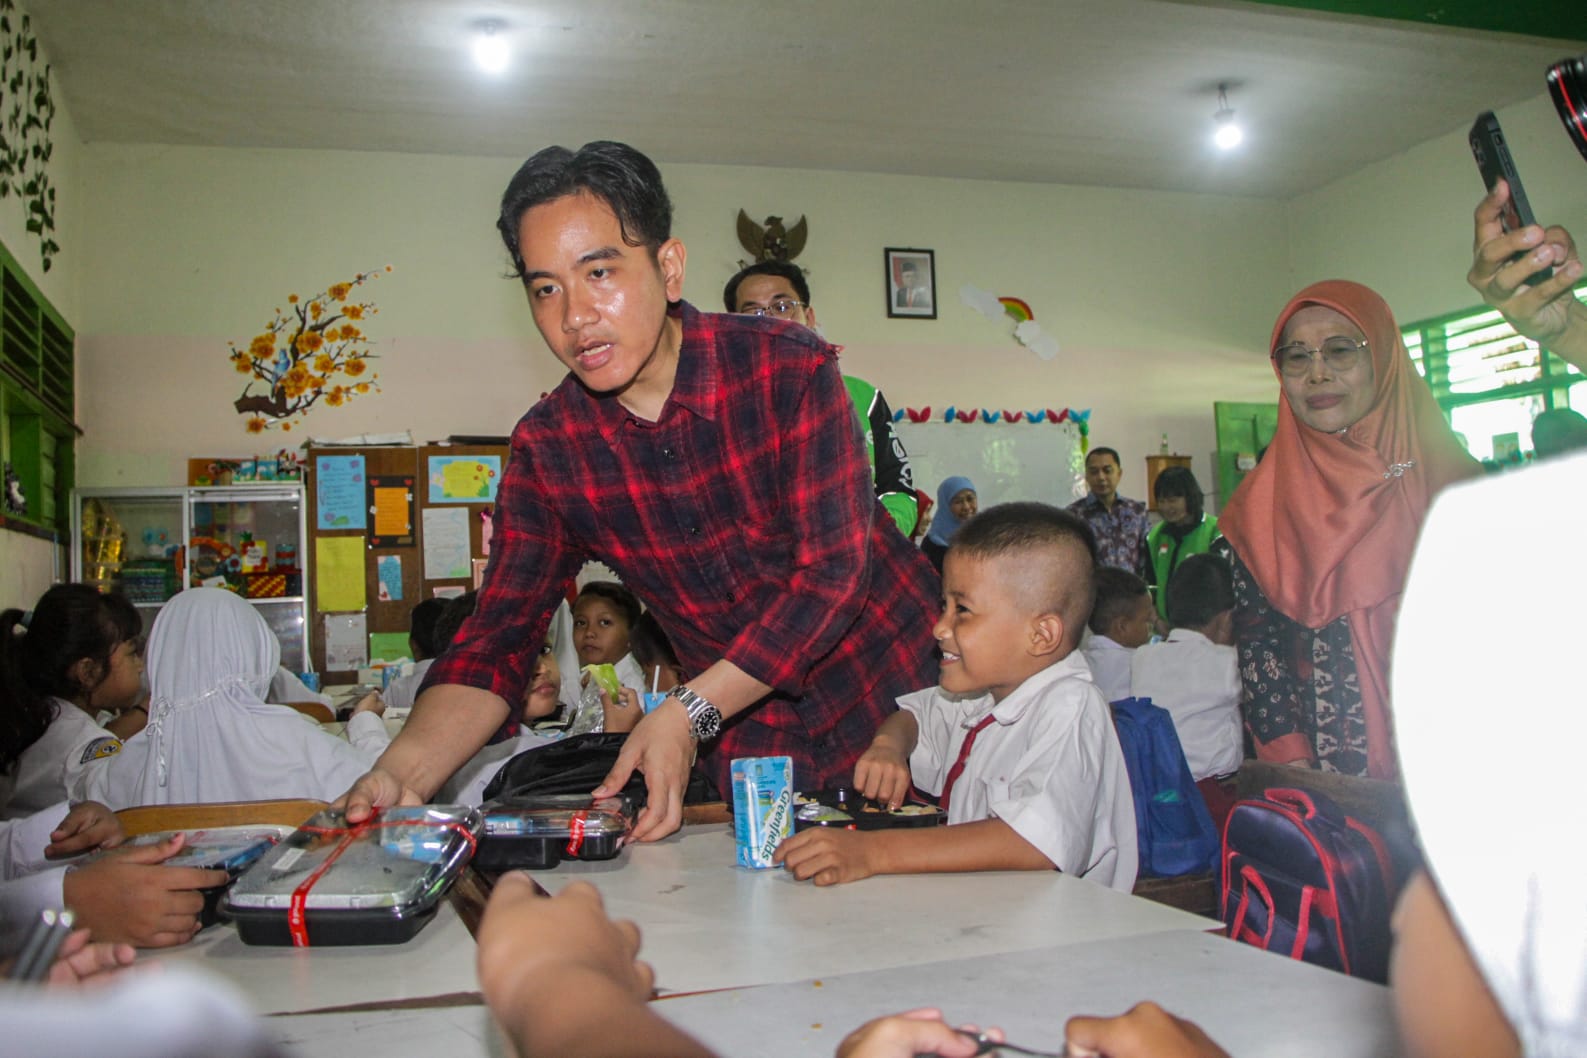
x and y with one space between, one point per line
557 815
225 848
402 858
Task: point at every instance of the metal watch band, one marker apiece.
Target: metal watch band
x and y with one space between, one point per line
705 720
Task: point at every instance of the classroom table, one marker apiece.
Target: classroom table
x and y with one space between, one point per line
437 963
1253 1003
707 924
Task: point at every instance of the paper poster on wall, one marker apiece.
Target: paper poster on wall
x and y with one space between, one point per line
388 646
346 643
445 543
449 591
339 492
388 570
391 510
464 479
339 573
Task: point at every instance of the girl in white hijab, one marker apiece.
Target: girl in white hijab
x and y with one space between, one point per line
211 736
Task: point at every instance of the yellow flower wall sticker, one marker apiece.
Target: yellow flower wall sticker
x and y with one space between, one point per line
294 363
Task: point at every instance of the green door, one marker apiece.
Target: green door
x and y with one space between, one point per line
1243 431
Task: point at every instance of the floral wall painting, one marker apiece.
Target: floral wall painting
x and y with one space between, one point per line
26 112
314 351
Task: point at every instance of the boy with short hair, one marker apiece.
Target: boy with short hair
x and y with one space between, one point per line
1121 621
1195 675
1016 741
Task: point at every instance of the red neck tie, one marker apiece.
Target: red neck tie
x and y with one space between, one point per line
958 765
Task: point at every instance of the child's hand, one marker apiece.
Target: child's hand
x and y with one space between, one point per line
827 855
882 774
127 896
1146 1031
89 825
908 1034
624 713
79 960
371 703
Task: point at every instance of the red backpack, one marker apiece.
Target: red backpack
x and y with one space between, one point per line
1302 878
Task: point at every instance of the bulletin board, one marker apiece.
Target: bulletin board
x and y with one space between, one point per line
382 548
1006 461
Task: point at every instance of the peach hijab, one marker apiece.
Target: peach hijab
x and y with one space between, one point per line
1327 522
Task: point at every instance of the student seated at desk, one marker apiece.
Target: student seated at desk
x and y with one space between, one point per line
78 652
1195 675
604 615
423 646
467 784
1016 741
1121 621
211 736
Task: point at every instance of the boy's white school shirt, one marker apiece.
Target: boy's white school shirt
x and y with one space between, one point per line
1198 682
1110 666
1049 766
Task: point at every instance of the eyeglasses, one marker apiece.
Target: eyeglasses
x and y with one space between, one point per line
782 308
1338 354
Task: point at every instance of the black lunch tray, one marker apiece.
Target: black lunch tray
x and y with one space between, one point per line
536 831
865 814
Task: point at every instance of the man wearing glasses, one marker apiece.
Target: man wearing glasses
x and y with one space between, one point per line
778 289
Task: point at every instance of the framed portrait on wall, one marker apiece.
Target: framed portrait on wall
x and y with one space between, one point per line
911 283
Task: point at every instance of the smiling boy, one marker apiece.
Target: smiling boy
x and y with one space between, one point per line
711 462
1015 741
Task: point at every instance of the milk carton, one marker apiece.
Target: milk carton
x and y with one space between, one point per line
762 807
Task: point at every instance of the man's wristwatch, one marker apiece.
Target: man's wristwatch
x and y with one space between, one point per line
705 721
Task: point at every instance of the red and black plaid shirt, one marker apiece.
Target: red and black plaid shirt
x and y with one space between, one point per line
744 517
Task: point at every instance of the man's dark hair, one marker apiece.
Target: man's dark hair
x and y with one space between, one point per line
624 179
1200 589
626 601
421 626
1117 592
782 269
1557 431
1028 528
1179 482
1102 450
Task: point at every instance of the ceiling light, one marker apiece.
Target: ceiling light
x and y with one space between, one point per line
1226 134
490 48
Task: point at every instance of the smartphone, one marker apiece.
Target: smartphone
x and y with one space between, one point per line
1494 161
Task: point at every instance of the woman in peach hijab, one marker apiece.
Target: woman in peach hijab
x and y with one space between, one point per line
1320 534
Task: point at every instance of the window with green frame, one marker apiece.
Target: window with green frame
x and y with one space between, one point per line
1490 381
37 400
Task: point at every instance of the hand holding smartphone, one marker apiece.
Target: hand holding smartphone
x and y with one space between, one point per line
1494 161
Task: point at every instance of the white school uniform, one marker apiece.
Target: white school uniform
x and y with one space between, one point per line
29 884
211 736
1509 869
56 767
1198 682
1049 766
1110 666
403 690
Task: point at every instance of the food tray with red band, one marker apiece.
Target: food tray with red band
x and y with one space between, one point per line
851 810
229 849
539 831
334 883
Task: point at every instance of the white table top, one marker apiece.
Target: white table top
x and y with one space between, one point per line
439 961
708 924
1251 1002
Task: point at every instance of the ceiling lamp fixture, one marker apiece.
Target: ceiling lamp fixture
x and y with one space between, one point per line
490 47
1226 133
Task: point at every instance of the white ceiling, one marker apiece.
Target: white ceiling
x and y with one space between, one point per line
1103 92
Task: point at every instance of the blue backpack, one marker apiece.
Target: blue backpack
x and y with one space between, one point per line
1174 832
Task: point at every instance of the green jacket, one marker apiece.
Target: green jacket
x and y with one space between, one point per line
1164 554
895 484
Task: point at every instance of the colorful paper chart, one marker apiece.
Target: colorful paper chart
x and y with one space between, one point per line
391 506
464 479
339 492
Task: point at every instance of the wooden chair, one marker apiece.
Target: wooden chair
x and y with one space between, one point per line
151 819
313 710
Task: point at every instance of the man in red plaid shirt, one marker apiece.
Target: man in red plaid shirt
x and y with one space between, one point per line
714 463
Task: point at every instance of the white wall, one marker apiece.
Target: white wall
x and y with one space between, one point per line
193 247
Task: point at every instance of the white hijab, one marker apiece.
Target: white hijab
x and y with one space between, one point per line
1488 678
210 735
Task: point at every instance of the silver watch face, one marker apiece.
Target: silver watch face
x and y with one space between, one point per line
706 723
